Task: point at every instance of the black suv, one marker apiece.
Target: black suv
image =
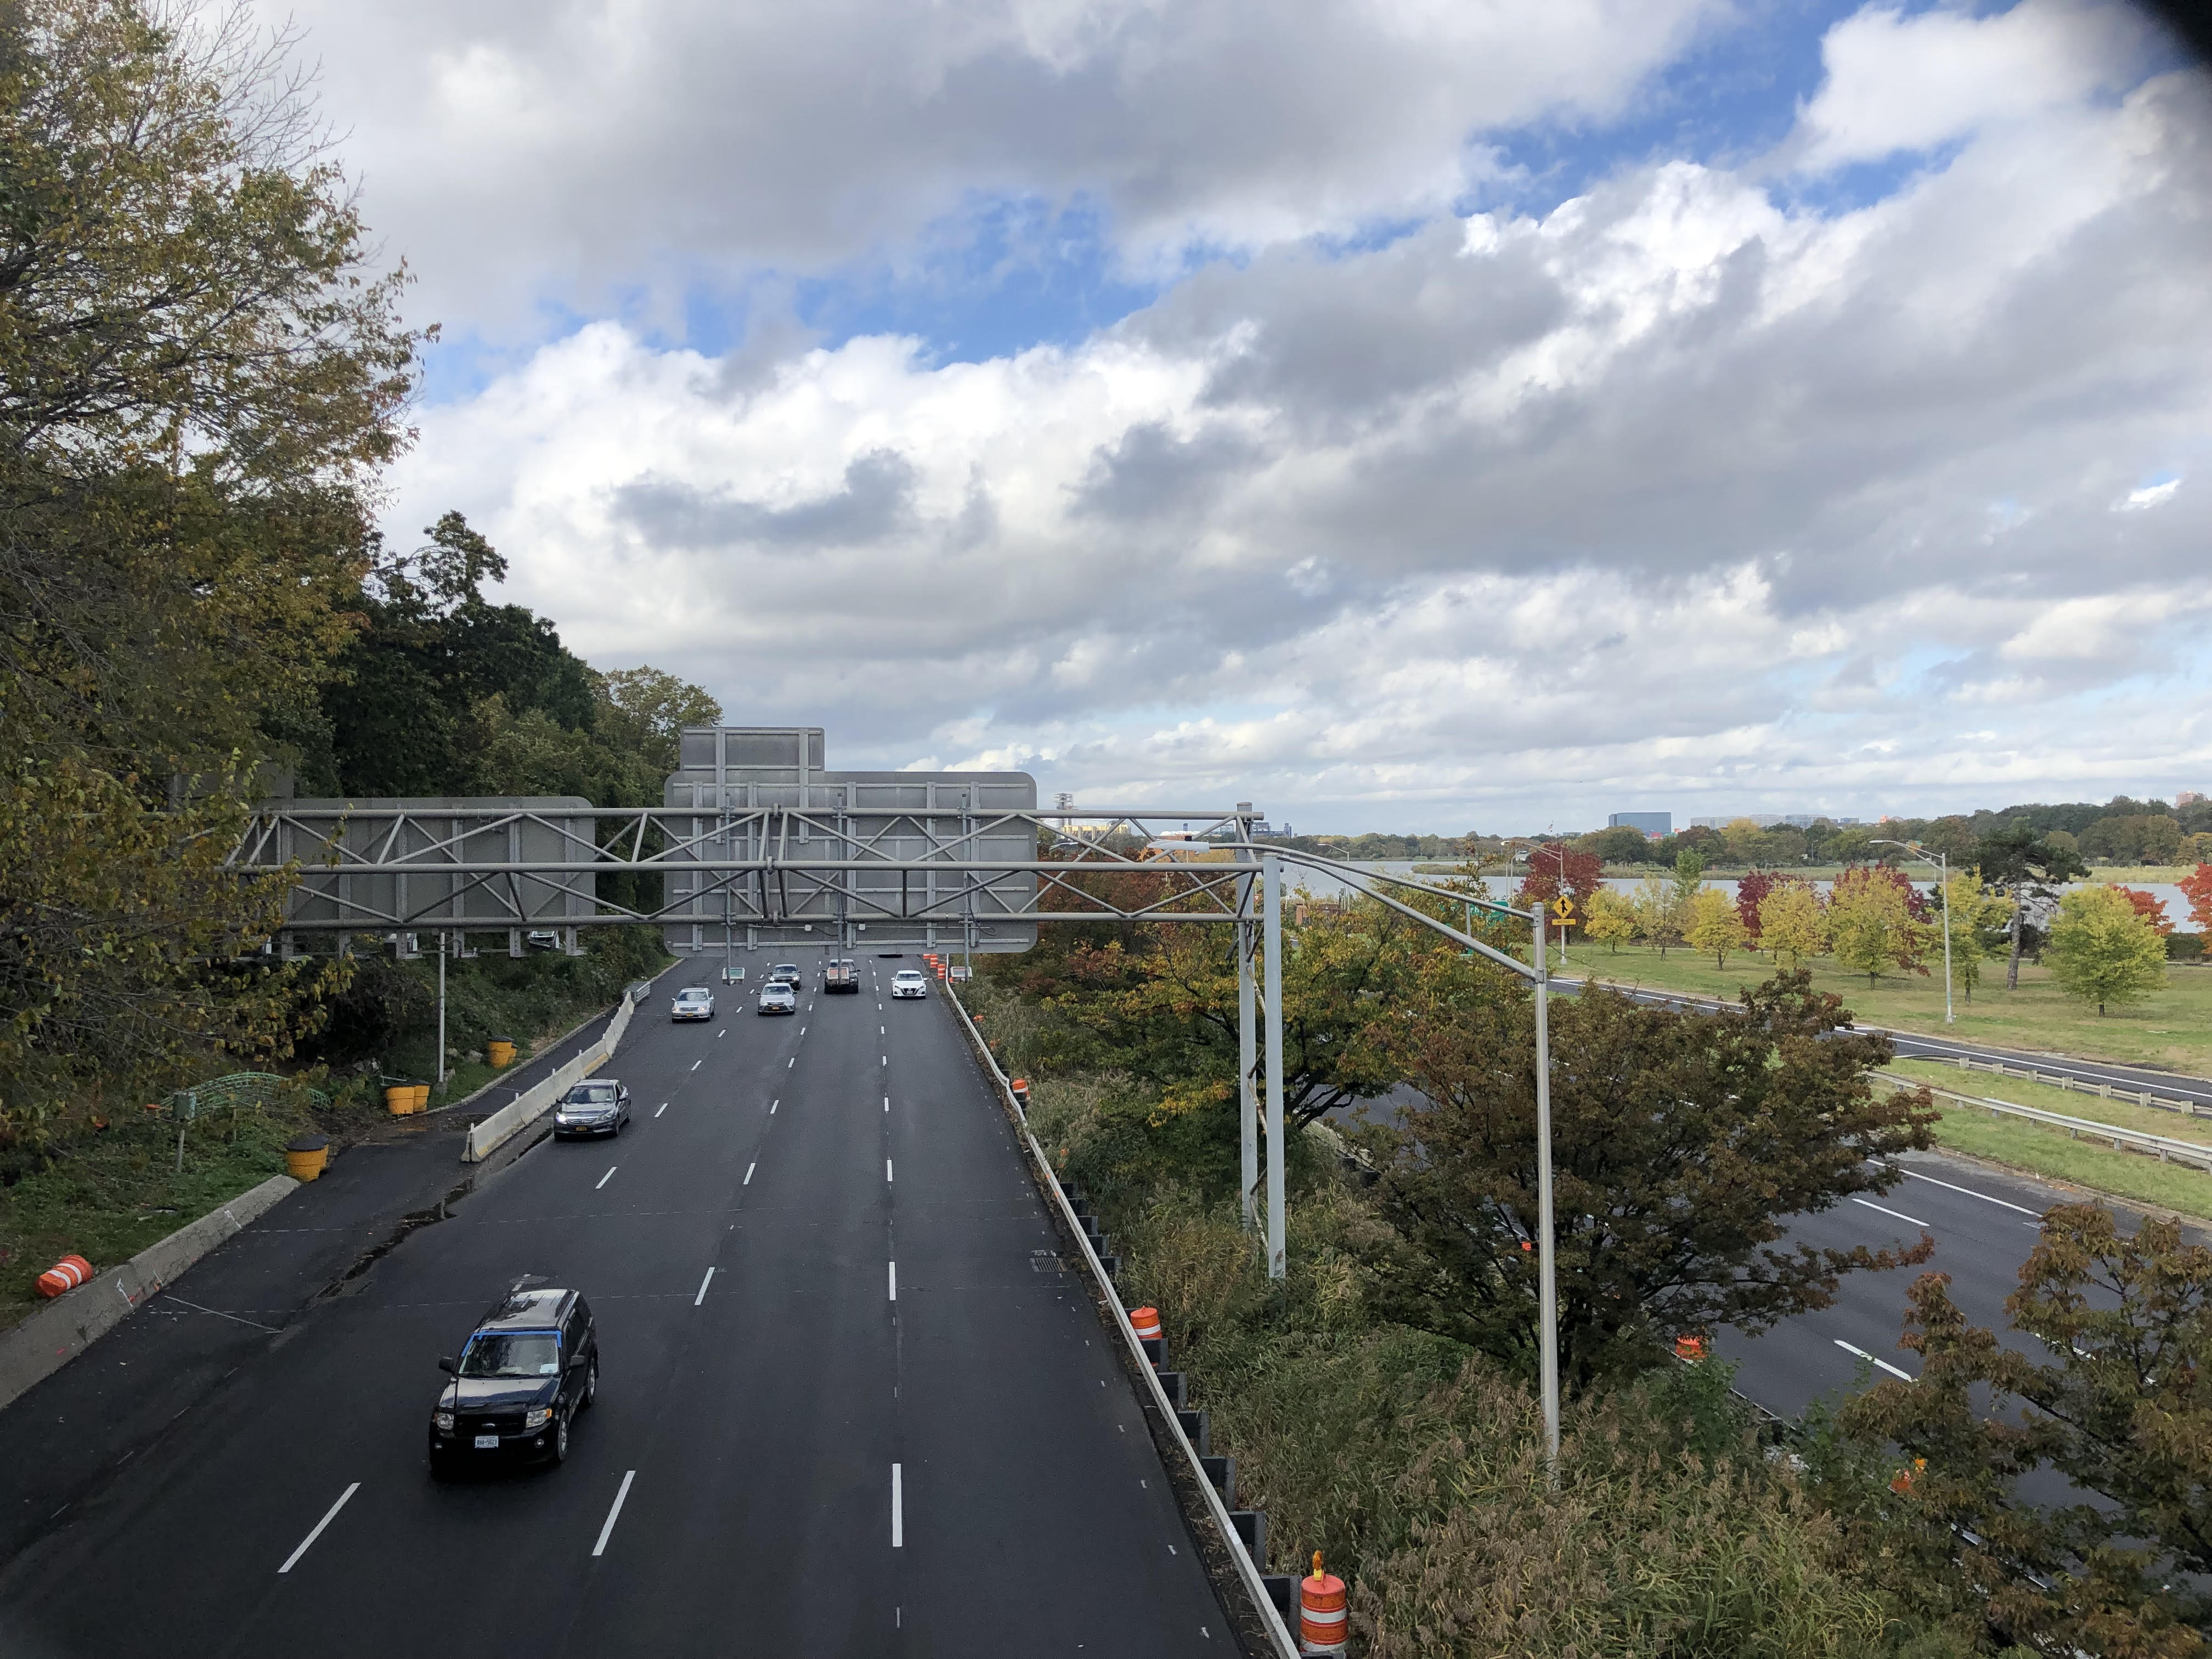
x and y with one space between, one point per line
530 1364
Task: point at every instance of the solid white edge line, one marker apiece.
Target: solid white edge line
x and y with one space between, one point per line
748 1181
329 1515
1899 1214
898 1511
621 1494
703 1284
608 1177
1971 1193
1884 1364
893 1279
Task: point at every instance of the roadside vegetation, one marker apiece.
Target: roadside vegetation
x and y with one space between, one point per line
197 609
1380 1402
2170 1029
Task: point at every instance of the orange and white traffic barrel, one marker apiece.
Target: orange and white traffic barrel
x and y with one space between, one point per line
1145 1321
1689 1349
1322 1621
65 1275
1020 1090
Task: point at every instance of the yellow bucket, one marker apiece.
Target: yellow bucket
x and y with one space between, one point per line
422 1092
400 1099
305 1156
501 1051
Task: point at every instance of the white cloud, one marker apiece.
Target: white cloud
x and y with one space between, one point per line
1676 491
2157 494
579 154
1908 83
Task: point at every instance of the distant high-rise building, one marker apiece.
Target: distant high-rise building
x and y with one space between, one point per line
2189 798
1654 824
1768 820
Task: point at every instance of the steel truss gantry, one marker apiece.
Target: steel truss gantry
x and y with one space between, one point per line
391 869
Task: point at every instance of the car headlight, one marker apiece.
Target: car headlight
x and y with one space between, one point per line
444 1421
536 1417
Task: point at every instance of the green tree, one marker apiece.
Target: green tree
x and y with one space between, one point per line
1658 909
2103 950
1792 923
2028 866
1680 1142
2121 1406
1689 875
199 378
645 710
1713 925
1980 923
1871 926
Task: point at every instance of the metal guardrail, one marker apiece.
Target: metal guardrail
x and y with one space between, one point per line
2162 1147
2069 1085
1248 1571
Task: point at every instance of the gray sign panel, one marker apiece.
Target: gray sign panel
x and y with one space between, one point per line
846 857
328 837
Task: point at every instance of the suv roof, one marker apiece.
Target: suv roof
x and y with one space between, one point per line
536 1309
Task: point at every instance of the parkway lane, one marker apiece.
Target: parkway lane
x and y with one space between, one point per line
840 1411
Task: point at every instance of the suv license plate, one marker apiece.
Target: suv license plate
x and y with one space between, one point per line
487 1443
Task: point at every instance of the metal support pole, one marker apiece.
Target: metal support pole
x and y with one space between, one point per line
1943 872
1270 882
1248 1047
444 943
1548 1283
1248 1062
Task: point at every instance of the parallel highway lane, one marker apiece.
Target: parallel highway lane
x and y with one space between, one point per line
749 1419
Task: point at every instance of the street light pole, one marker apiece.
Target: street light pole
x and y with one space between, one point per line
1548 1283
1942 862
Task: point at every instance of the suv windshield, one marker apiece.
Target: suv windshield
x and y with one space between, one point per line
512 1353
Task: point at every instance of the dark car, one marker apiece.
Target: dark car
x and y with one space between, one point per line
530 1364
784 973
598 1106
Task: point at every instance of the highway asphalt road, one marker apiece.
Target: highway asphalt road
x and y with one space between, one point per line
840 1411
1983 1222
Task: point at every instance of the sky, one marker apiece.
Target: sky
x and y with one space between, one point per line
1422 415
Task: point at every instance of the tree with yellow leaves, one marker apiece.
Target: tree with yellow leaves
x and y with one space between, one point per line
1792 924
1713 925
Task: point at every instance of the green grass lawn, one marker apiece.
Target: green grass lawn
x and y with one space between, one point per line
2122 1113
2051 1153
110 1199
2172 1029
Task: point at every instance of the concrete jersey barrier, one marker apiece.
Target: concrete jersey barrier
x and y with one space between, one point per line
51 1338
511 1120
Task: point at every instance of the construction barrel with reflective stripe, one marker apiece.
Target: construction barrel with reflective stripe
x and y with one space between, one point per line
1145 1321
1322 1621
66 1275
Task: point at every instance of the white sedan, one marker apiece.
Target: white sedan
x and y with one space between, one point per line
909 983
693 1002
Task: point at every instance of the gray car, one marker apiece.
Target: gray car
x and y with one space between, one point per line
598 1107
